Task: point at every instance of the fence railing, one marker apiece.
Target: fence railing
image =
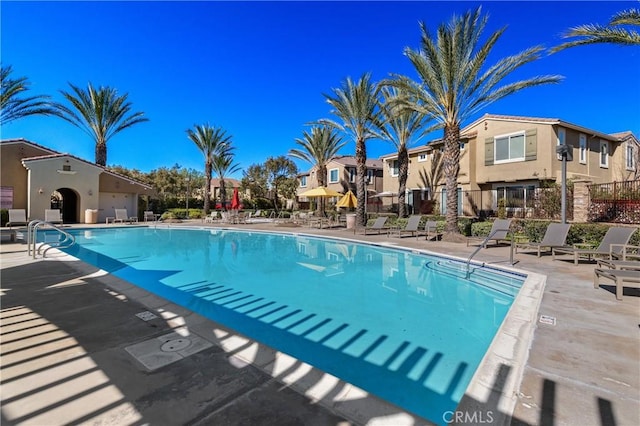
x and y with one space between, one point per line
617 202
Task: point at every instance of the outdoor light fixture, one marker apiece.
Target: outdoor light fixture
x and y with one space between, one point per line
90 192
40 191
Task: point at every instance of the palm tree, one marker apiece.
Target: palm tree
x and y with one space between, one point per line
591 34
12 107
101 113
400 127
318 147
357 105
456 83
223 165
211 141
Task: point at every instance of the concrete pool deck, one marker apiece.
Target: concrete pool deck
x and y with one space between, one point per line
66 329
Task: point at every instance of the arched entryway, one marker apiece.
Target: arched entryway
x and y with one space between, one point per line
66 200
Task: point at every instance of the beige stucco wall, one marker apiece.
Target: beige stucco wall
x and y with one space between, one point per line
12 172
46 176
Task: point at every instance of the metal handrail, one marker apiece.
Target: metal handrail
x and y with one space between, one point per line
32 238
484 244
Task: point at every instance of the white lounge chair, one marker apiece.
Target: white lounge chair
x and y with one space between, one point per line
17 217
620 277
554 237
53 216
499 232
612 245
149 216
122 216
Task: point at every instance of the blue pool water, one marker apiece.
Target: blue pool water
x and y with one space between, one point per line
405 326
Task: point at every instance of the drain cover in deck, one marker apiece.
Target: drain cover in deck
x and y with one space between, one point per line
167 349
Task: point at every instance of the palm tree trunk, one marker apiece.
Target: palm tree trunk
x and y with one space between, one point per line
207 187
322 181
403 173
223 195
361 171
101 153
451 168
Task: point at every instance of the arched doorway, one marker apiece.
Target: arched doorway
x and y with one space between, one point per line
66 200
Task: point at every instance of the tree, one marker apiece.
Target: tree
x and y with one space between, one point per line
400 127
255 180
223 165
613 33
356 104
318 147
101 113
432 177
14 107
211 141
281 178
455 83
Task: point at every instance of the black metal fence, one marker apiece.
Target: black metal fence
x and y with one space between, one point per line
617 202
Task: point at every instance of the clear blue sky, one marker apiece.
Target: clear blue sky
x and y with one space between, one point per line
260 69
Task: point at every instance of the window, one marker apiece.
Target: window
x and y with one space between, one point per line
422 157
303 181
66 167
583 149
393 168
352 174
333 176
6 197
370 175
630 158
562 136
604 154
509 148
461 146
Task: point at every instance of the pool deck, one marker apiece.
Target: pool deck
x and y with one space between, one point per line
69 336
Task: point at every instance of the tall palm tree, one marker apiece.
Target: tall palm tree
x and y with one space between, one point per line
12 106
455 83
613 33
211 141
101 113
356 104
318 147
223 165
400 127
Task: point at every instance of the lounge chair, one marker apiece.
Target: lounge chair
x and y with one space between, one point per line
431 231
619 277
554 237
17 217
411 227
149 216
122 216
633 265
53 216
379 225
612 245
499 232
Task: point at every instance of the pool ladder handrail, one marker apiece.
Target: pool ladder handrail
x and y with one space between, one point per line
32 233
484 244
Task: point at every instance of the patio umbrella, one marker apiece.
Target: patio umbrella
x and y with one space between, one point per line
235 201
321 191
348 200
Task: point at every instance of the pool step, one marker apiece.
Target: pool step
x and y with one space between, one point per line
493 279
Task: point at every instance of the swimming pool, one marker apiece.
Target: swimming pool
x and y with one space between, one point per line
402 325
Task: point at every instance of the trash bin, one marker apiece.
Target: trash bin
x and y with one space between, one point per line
91 216
351 221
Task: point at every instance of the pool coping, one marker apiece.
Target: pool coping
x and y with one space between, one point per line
490 397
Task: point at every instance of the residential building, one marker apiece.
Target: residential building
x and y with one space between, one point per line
36 178
509 157
341 177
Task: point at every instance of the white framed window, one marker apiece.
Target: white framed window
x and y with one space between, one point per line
562 139
422 157
334 177
462 145
6 197
509 148
604 154
393 168
303 181
370 174
352 174
630 157
583 149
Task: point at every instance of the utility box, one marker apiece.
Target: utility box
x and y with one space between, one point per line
91 216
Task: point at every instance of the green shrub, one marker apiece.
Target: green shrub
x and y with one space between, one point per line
502 208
